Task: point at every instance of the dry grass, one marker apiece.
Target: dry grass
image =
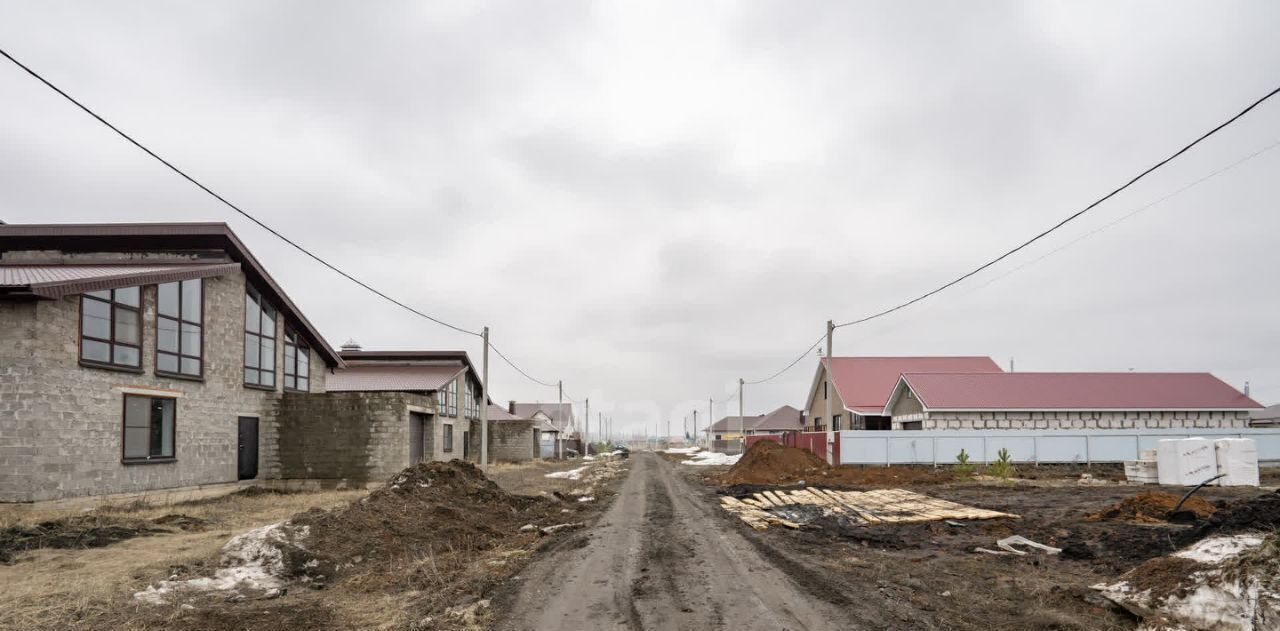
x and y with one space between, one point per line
529 478
47 589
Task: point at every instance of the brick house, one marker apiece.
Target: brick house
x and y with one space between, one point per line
1058 401
863 386
143 360
557 425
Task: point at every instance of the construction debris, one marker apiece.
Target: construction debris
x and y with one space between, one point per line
795 508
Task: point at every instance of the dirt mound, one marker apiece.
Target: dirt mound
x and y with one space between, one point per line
1153 507
1260 513
425 510
768 462
86 531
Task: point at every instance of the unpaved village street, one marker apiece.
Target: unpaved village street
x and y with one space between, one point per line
662 558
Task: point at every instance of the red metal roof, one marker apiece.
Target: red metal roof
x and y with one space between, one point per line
1076 391
367 378
865 383
56 281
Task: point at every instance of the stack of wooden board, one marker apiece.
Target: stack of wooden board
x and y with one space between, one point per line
883 506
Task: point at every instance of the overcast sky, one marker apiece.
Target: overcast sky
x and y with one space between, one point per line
649 200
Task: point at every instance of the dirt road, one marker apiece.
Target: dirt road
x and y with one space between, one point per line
662 558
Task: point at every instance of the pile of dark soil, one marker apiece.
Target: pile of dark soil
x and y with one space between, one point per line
86 531
1260 513
428 510
767 462
1153 507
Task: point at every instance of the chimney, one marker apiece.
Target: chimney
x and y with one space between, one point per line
351 346
1246 388
511 407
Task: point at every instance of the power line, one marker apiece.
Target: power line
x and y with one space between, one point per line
228 203
789 366
518 369
1069 218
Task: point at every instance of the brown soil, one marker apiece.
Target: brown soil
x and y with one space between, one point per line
1164 576
1153 507
87 531
767 462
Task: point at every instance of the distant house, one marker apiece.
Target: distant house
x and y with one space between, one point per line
1051 401
863 386
1266 417
144 360
783 419
558 426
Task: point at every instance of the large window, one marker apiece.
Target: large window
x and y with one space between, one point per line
472 402
111 327
179 332
259 341
448 402
148 428
297 362
448 437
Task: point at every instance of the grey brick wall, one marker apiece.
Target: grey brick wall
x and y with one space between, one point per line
511 441
60 423
353 436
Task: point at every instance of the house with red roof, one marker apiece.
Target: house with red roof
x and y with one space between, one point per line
862 386
1066 400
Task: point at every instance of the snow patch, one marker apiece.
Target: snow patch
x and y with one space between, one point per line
251 561
682 450
571 474
1215 550
712 458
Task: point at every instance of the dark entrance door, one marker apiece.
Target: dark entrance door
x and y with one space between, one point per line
247 450
417 437
466 445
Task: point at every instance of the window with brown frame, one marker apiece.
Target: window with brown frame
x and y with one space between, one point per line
148 430
259 341
448 438
179 328
297 362
111 328
448 399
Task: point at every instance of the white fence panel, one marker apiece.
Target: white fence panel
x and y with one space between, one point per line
1096 445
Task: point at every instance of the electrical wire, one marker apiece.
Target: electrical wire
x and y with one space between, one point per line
1069 218
519 370
230 205
789 366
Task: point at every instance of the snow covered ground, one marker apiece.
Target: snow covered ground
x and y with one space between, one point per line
712 458
571 474
682 450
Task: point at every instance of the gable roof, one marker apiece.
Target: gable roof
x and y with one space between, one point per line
395 378
733 423
356 358
561 414
865 383
1074 391
784 418
499 413
56 281
165 237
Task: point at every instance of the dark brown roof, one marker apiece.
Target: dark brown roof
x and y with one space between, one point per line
164 237
499 413
56 281
785 418
359 357
364 378
733 423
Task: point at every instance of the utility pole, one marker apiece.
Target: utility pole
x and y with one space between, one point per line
742 419
586 424
695 418
828 388
560 410
710 415
484 406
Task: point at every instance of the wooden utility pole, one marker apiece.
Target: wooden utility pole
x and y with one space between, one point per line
695 419
742 419
484 405
828 389
710 415
586 424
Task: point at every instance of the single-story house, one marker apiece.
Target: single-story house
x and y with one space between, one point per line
1266 417
144 360
863 385
783 419
556 422
1057 400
